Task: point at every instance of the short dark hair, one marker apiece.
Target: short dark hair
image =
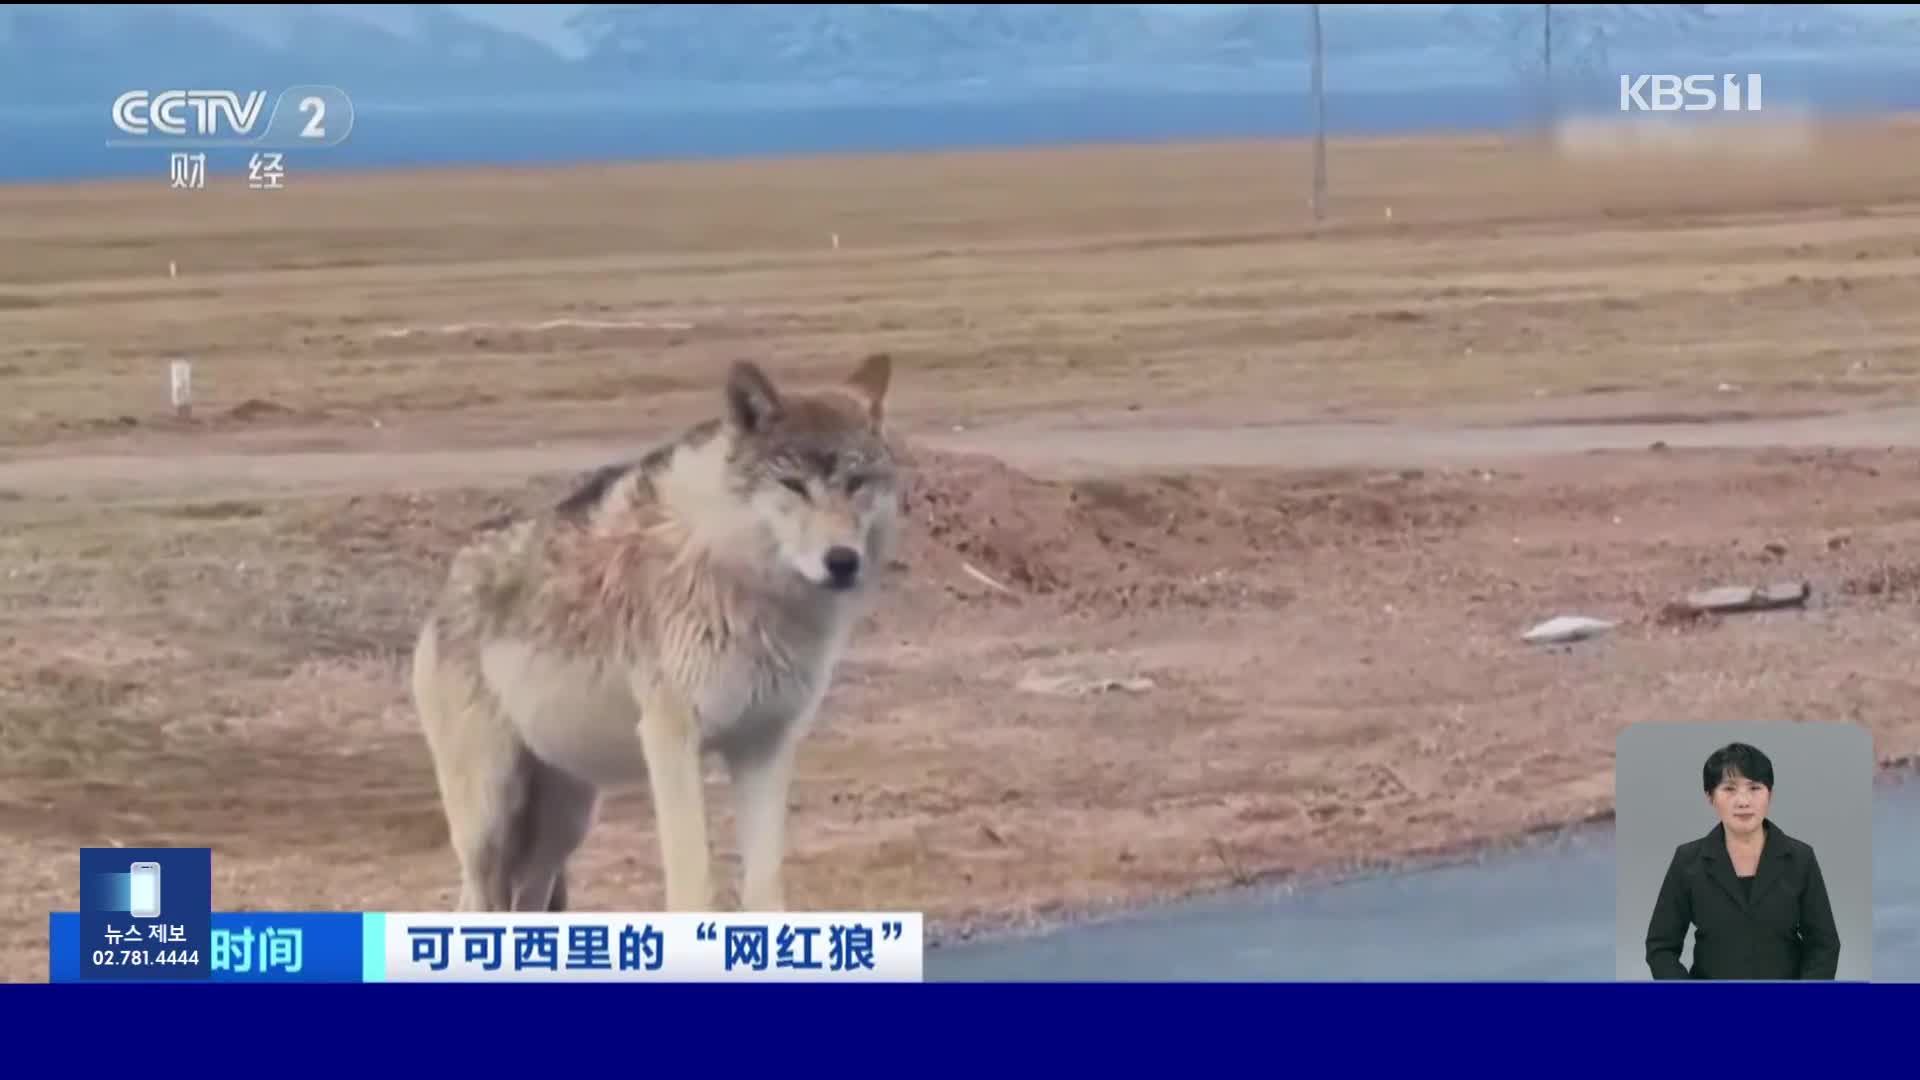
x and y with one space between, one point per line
1739 758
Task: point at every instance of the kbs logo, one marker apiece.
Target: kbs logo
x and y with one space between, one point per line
1688 93
304 116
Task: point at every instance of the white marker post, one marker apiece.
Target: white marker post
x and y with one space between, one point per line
173 269
836 241
182 389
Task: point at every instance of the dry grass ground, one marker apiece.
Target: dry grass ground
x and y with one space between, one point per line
1103 277
190 658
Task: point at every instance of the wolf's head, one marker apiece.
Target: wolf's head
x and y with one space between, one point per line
816 471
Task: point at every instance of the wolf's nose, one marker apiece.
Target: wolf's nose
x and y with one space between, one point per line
843 564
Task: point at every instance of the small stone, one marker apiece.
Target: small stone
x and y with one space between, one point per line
1748 598
1565 628
1725 598
1785 594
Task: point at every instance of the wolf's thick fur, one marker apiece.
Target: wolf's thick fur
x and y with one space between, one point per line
694 601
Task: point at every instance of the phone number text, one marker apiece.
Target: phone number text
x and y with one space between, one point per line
144 957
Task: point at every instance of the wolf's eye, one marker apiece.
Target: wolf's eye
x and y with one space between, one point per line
854 483
796 485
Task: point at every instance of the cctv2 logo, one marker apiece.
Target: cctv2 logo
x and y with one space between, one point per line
303 116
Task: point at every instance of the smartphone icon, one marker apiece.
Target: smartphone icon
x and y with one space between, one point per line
144 893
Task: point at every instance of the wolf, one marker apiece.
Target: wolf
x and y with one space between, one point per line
694 601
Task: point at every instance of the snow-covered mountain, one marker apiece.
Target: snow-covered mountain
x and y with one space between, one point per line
53 54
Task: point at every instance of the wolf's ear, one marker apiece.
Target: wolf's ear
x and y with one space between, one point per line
870 384
752 402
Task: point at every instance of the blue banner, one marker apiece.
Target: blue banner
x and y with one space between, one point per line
254 947
674 947
1357 1029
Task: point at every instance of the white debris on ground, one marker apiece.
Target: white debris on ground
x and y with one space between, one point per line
1566 628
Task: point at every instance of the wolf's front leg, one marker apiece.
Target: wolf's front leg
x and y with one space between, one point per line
670 738
761 779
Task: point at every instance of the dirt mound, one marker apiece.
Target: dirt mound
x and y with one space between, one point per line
1198 539
1021 531
258 409
1177 539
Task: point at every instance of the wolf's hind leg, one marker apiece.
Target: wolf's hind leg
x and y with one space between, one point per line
480 767
557 815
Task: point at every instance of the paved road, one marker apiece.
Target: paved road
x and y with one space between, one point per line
1319 445
1540 915
161 475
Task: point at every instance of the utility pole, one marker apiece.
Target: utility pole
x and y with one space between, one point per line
1319 117
1546 63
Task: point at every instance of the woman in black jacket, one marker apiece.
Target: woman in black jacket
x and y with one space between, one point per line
1753 895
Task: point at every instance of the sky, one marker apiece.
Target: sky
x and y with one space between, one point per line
547 23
